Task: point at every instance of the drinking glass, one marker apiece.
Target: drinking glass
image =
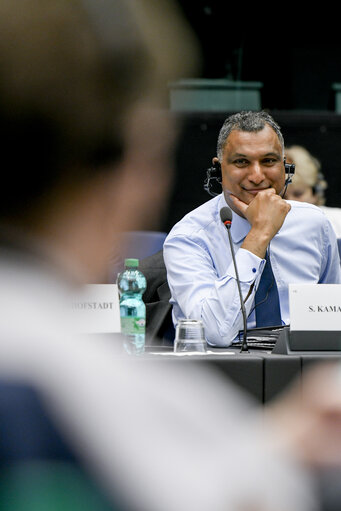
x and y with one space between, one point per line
189 336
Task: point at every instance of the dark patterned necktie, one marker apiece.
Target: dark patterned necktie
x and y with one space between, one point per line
268 312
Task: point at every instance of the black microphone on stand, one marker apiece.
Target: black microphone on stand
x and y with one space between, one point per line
226 218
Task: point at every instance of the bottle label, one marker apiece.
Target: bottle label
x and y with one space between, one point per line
133 325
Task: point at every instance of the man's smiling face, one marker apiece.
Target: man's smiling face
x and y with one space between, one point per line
252 162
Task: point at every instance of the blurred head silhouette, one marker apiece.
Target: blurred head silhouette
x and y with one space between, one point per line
85 143
308 183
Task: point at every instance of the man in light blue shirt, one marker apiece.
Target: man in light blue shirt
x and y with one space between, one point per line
297 236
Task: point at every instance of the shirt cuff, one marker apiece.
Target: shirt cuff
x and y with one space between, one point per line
249 266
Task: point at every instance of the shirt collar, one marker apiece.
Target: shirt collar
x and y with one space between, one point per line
240 226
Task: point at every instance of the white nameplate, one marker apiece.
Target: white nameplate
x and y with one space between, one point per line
315 306
96 309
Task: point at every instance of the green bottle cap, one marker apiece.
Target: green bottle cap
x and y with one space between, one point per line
132 263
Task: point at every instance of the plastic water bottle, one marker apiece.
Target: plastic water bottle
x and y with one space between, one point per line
131 285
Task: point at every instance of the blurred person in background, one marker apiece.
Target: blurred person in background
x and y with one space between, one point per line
309 184
87 151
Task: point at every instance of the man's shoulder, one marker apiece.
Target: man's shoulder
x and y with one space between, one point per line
303 217
199 219
305 210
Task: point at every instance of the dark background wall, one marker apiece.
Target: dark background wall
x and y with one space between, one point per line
294 49
297 57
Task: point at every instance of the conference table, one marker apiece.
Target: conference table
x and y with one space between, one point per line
259 372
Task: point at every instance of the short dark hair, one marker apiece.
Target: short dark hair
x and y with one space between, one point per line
249 121
69 72
60 97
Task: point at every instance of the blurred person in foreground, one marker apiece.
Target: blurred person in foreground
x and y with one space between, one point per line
309 185
265 229
87 154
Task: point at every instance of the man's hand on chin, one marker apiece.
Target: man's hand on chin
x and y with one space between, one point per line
266 214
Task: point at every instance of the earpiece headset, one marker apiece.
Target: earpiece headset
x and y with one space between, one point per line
213 177
213 174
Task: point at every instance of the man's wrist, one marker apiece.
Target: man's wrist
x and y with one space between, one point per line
256 242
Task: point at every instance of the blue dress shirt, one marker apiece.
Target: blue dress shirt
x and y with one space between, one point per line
201 275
